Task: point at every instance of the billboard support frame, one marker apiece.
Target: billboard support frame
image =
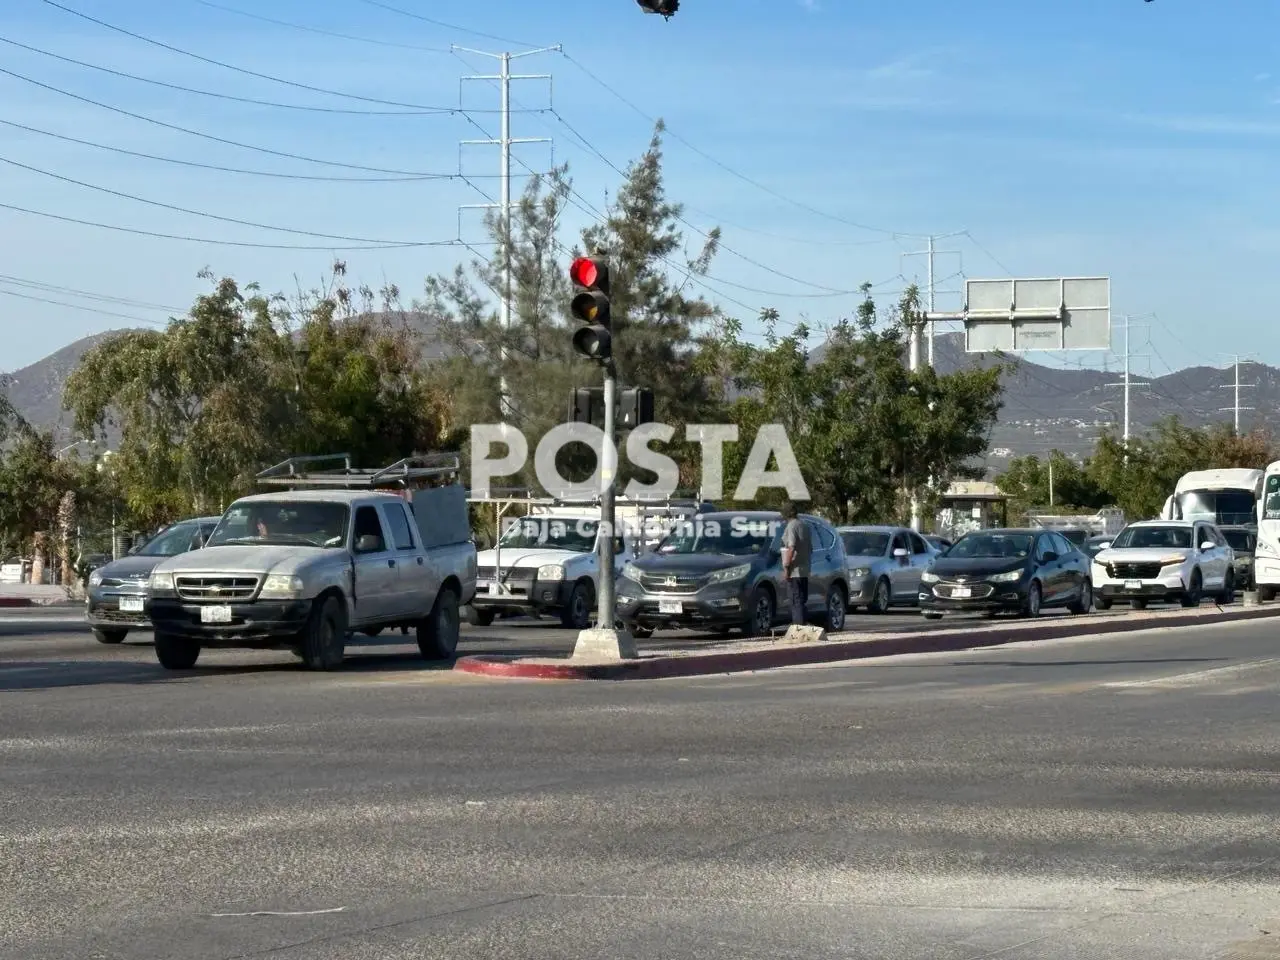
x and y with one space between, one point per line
1076 309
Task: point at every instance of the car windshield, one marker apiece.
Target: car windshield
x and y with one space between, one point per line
864 543
552 533
1076 538
1010 546
282 522
738 536
171 541
1239 539
1137 538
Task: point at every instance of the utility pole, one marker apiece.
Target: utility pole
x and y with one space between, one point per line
1237 386
1127 383
504 141
1051 478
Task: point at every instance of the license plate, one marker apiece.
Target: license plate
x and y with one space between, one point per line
670 606
1133 584
218 614
130 604
961 593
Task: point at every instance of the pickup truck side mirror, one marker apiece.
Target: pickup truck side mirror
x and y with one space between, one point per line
1208 545
368 544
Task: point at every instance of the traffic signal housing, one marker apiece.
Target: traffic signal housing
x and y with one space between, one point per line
590 306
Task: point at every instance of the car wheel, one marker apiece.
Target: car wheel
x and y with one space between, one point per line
438 634
109 635
880 597
1138 604
835 608
760 619
1266 594
932 615
1192 595
479 618
1031 606
1101 603
639 632
324 637
176 653
1084 602
577 614
1228 595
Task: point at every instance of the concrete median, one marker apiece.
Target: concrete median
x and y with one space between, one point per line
751 655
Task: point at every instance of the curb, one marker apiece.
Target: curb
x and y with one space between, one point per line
11 602
665 667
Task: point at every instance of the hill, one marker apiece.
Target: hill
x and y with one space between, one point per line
1044 407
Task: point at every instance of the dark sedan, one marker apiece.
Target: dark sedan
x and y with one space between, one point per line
1019 571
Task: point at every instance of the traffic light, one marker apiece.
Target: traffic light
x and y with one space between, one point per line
591 306
635 406
666 8
586 405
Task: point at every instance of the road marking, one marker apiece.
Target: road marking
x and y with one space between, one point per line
1195 677
280 913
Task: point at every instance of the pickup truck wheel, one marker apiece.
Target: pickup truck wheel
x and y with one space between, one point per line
109 634
324 636
438 633
176 653
479 618
577 614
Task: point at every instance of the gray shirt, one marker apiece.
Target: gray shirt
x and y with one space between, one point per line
797 537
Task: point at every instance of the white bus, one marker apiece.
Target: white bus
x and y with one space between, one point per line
1266 564
1226 497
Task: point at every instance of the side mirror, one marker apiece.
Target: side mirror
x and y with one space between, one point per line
1104 546
1050 557
1208 545
368 544
900 553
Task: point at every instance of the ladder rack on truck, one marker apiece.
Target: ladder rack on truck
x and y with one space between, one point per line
414 472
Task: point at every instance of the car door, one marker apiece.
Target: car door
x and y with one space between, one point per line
416 582
1216 561
377 573
1072 565
1048 569
821 566
900 573
921 557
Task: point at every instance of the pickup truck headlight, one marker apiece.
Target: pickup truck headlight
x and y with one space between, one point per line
929 577
160 583
1012 576
551 572
280 586
95 578
731 574
631 572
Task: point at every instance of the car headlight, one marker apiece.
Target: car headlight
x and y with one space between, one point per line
1176 560
160 583
552 571
731 574
929 577
631 572
859 572
1011 576
281 586
95 578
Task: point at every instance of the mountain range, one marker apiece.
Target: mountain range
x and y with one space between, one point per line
1045 407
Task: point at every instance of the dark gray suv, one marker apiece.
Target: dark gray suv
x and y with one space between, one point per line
723 570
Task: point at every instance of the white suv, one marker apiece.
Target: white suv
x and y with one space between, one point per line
1164 560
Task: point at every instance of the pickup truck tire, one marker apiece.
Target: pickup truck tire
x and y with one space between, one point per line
479 618
438 633
109 634
577 613
176 653
324 636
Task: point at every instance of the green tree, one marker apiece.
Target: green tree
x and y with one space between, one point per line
1056 483
32 483
867 433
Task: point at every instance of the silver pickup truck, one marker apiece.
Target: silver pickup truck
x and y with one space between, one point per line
304 569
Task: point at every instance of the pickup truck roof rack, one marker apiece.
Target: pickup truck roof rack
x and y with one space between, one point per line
416 471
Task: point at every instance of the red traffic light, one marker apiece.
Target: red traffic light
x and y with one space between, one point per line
584 272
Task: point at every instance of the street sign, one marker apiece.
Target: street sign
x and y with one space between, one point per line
1017 315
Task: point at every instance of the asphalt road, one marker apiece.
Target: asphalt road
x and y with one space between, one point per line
1113 797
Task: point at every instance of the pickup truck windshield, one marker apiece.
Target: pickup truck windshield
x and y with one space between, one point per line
552 533
283 523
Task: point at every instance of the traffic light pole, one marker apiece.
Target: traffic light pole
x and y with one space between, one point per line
608 489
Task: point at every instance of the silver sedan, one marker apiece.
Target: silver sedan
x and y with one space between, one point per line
884 565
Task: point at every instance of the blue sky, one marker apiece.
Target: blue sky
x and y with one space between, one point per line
1090 137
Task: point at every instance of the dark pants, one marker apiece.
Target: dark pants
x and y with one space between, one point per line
799 597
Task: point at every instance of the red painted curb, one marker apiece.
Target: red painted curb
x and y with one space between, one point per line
17 602
660 667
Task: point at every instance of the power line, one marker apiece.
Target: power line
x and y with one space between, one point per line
72 291
242 70
447 26
76 306
208 136
321 32
220 243
224 169
425 111
207 216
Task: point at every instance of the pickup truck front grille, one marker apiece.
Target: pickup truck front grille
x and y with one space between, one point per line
223 589
508 573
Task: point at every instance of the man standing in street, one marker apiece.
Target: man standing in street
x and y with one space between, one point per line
797 545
